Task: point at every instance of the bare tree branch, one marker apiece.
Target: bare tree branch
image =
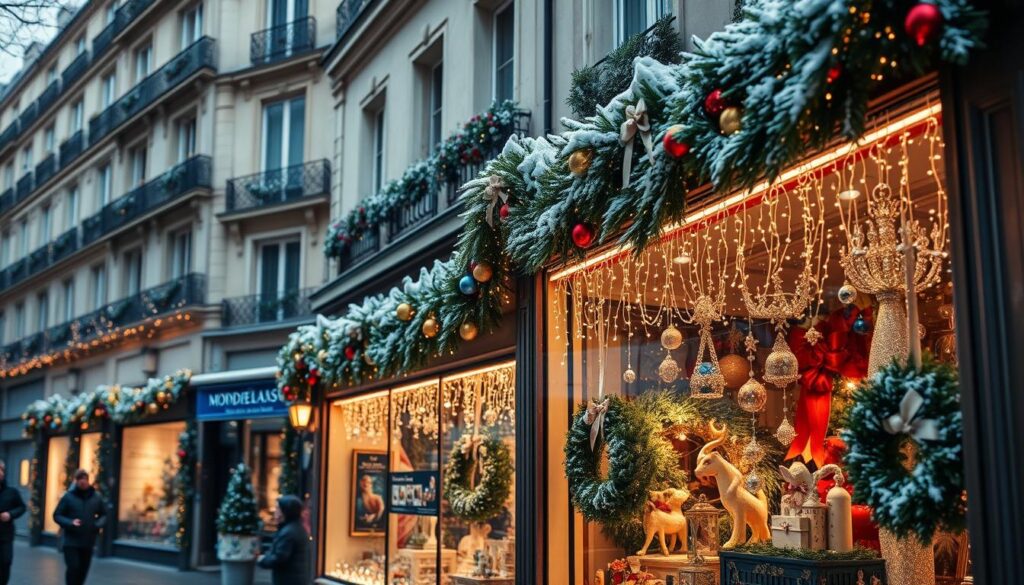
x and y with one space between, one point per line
24 21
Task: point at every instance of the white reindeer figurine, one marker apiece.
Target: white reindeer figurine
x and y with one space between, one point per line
745 508
669 523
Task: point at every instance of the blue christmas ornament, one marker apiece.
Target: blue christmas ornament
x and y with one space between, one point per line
467 285
861 325
706 368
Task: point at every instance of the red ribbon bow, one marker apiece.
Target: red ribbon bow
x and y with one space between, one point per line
841 353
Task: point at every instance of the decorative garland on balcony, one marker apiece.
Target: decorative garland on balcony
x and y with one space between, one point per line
784 80
479 136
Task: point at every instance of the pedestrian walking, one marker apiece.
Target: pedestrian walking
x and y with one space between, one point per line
80 514
288 558
11 508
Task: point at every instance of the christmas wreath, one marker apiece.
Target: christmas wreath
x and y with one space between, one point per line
633 455
904 431
484 501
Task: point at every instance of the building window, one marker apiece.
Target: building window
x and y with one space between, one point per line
71 208
51 74
635 16
5 249
56 479
110 13
143 62
148 452
138 166
26 160
191 25
378 149
49 139
103 185
99 286
80 45
108 89
436 102
68 295
504 53
186 138
181 253
132 272
45 224
19 320
278 274
42 311
284 133
23 243
9 175
77 115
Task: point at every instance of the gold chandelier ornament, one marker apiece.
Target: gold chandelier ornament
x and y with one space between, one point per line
707 380
891 246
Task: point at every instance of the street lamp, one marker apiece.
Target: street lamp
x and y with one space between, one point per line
299 414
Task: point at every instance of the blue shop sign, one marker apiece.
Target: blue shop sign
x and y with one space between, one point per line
240 400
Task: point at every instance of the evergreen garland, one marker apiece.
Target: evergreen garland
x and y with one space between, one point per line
37 481
928 496
71 459
599 83
486 500
104 480
765 549
185 483
291 446
238 513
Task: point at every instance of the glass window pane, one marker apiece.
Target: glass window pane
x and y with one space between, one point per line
56 479
296 130
633 18
273 135
147 507
292 266
504 47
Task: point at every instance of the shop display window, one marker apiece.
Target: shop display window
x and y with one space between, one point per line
389 514
266 456
652 353
88 454
147 507
56 478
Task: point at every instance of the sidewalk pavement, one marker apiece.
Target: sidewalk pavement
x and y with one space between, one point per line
45 566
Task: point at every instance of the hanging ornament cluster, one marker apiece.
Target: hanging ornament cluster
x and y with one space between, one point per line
707 380
414 408
720 109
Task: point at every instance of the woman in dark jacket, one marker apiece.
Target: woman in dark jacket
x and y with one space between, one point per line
288 558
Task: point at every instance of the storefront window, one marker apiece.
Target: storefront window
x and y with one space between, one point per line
391 453
266 472
88 454
147 509
664 339
56 478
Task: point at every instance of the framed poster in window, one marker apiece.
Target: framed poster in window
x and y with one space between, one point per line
369 483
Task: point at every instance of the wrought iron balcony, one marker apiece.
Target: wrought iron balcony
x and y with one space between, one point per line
29 115
101 42
16 271
256 309
197 56
42 258
181 179
167 300
283 41
71 148
128 12
24 186
48 97
75 69
276 186
9 134
46 168
348 13
363 247
7 200
403 219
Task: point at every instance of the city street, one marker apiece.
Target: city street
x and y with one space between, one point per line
45 566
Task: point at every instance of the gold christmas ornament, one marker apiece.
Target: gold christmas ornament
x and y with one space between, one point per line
483 272
152 408
431 327
468 331
81 410
668 371
629 376
161 397
781 368
785 433
321 356
579 161
729 121
752 395
671 338
404 312
735 370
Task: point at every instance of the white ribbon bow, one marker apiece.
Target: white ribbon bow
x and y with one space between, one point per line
636 121
921 429
595 418
493 193
473 447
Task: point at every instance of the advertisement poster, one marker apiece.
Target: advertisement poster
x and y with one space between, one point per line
414 492
369 482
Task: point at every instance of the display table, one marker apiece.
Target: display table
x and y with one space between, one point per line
662 566
423 563
466 580
747 569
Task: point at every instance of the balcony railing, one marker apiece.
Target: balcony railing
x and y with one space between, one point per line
128 12
153 303
255 309
9 134
348 12
404 218
71 148
75 70
46 168
283 41
101 42
25 186
192 174
7 200
48 97
41 258
197 56
363 247
28 115
279 186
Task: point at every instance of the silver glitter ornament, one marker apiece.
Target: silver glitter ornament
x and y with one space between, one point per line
752 482
847 294
629 376
752 396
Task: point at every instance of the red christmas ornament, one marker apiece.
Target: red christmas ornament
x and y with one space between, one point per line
923 23
313 372
833 73
350 353
582 235
715 103
300 364
503 211
181 453
312 381
673 142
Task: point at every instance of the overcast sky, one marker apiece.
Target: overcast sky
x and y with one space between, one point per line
10 60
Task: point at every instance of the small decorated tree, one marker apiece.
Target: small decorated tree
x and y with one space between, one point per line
237 525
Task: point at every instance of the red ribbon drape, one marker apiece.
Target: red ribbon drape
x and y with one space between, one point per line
839 353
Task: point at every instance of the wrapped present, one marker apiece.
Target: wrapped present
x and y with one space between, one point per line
791 531
817 512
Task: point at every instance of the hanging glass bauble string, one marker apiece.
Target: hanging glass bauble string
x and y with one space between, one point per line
752 396
671 338
629 376
781 368
752 482
753 452
785 433
668 371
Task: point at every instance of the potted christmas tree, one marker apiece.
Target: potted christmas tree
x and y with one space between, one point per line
238 526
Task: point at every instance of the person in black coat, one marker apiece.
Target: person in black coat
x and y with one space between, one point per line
11 507
288 558
81 514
